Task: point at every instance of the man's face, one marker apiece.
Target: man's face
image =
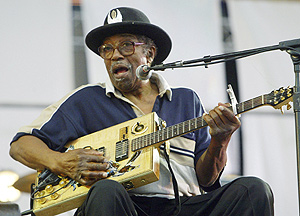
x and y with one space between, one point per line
121 69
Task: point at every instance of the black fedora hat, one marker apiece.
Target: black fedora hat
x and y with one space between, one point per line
129 20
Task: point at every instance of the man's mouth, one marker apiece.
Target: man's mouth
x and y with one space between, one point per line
119 70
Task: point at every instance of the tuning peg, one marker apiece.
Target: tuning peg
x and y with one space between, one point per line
281 110
281 90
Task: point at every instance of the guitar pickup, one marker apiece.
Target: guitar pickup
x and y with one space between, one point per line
122 148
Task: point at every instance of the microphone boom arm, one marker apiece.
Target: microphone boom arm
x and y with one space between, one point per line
288 46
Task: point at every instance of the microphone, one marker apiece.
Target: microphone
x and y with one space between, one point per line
143 72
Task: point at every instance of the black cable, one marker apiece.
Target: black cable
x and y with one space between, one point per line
136 205
175 185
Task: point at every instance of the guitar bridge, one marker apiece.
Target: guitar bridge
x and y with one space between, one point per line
122 150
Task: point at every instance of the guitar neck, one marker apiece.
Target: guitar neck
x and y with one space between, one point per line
168 133
252 104
188 126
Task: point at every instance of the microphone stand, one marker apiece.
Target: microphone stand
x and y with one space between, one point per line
295 56
292 47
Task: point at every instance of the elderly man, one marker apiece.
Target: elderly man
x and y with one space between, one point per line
125 41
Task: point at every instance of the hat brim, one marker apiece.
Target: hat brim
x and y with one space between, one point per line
95 38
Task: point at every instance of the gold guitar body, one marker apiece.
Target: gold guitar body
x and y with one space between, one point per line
143 167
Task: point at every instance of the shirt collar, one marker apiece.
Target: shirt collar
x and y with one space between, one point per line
159 80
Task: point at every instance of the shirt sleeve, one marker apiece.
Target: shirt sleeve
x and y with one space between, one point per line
202 136
53 127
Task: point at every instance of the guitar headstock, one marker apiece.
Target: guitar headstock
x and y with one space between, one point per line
280 97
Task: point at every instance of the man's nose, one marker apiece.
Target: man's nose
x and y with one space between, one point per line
117 55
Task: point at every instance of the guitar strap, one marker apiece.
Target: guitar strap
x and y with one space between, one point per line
175 185
166 153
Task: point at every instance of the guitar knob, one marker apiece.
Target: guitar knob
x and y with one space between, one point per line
39 195
54 196
63 182
49 189
42 200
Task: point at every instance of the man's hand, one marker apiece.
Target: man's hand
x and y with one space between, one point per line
222 123
86 166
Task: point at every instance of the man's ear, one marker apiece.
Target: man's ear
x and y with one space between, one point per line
150 55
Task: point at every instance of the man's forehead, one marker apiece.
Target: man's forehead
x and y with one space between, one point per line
120 37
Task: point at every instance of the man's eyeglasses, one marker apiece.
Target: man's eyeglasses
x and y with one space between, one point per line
125 48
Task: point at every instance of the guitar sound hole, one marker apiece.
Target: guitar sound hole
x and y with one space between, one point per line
139 128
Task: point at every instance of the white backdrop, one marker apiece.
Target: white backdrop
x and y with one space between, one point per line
269 137
36 67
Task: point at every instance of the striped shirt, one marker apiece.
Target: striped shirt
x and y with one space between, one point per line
91 108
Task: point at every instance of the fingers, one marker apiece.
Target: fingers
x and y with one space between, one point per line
90 177
94 174
85 165
93 165
92 155
221 120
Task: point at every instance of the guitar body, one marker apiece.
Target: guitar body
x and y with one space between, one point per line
143 166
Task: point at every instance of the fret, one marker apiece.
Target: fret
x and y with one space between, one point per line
165 134
161 135
156 139
172 131
143 142
198 122
180 128
192 124
186 126
151 139
146 140
238 108
175 130
243 107
139 141
136 141
169 132
133 143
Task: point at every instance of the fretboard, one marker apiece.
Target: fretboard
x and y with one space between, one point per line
188 126
251 104
168 133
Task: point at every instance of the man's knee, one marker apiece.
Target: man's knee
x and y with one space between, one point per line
256 187
106 187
